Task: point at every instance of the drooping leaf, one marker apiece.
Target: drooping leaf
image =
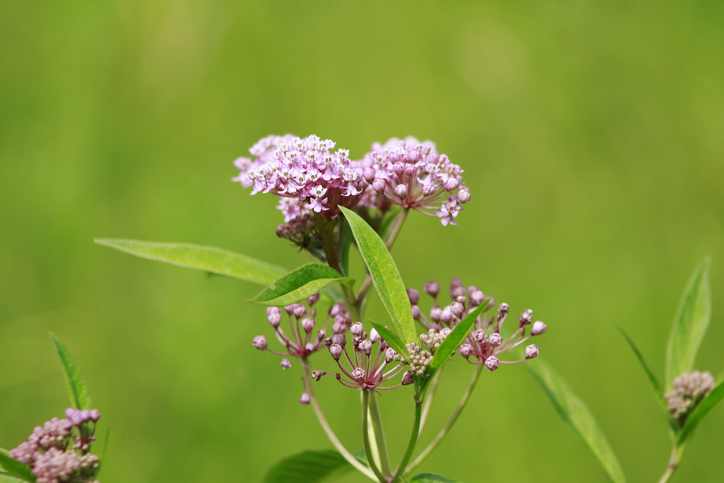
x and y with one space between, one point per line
74 383
690 325
14 467
455 338
385 275
308 467
209 259
299 284
392 339
575 413
701 411
432 478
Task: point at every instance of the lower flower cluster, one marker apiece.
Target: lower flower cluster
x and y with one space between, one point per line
59 451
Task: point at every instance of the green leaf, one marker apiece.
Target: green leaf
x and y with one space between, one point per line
308 467
209 259
432 478
647 369
392 339
346 244
299 284
10 479
14 467
701 411
74 382
575 413
385 275
690 324
455 338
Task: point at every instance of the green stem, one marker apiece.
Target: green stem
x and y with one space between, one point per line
429 398
676 452
380 435
396 229
461 405
327 429
366 438
411 445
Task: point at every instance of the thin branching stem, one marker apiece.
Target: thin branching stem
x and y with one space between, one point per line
411 445
366 437
430 397
327 429
380 435
676 452
461 405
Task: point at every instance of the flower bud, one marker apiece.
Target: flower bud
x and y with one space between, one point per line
310 347
432 288
478 334
477 298
466 350
398 169
308 324
491 363
378 185
285 364
95 415
85 415
375 336
299 310
531 351
503 308
390 355
358 374
339 339
289 309
274 316
495 339
446 315
260 342
336 351
407 378
538 328
446 331
321 334
456 282
336 310
525 317
457 291
458 309
369 175
304 399
413 295
435 314
365 346
413 155
463 196
416 314
357 328
451 184
313 299
340 325
317 375
401 190
410 170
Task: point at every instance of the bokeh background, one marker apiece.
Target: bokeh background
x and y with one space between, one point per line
591 136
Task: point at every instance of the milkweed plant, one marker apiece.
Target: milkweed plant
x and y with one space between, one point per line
333 206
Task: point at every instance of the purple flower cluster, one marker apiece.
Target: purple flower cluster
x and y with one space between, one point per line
311 178
363 370
49 454
484 344
304 170
412 174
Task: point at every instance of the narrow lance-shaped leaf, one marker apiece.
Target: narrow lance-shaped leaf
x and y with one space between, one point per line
455 338
432 478
392 339
690 325
701 411
74 382
14 467
647 369
209 259
385 275
10 479
575 413
299 284
308 467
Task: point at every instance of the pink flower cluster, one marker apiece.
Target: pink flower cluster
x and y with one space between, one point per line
311 178
47 451
305 170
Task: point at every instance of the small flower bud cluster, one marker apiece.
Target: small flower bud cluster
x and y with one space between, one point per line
299 227
433 339
366 366
420 359
303 339
48 452
463 301
689 390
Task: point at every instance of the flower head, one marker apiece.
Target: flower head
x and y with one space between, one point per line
690 388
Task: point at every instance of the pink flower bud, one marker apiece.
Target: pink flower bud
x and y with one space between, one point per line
336 309
525 317
410 170
260 342
308 324
491 363
446 315
285 364
466 350
477 298
413 295
304 399
369 175
95 415
531 351
446 331
357 328
289 309
313 299
398 169
358 374
458 309
378 185
478 334
365 346
432 288
300 310
340 325
451 184
390 355
401 190
463 196
435 314
407 378
336 351
538 328
310 347
274 316
495 339
375 336
416 314
339 339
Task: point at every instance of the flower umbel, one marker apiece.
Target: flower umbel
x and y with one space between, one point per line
690 388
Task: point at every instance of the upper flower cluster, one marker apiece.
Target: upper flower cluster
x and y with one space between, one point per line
312 178
690 388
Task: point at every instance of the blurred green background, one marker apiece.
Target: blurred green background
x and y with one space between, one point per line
591 136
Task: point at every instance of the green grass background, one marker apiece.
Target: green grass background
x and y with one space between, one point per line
591 138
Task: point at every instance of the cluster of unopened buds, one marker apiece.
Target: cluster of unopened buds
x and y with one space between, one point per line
363 370
56 454
311 178
690 388
485 344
